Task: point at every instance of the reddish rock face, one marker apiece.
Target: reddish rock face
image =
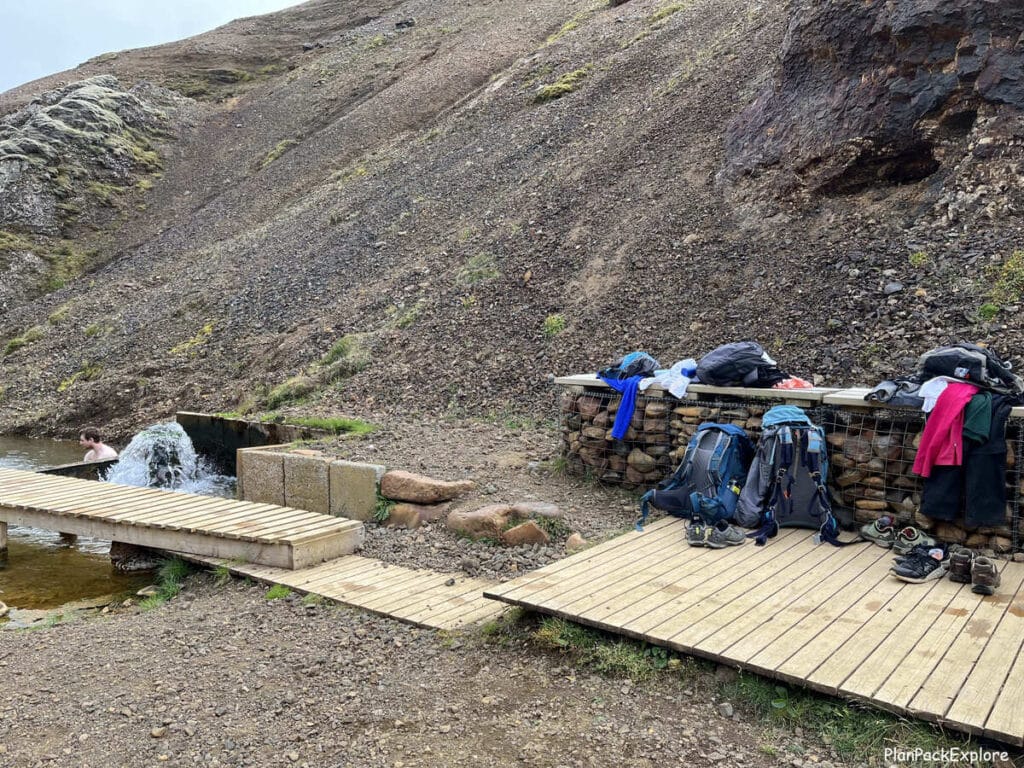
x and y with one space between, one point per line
870 93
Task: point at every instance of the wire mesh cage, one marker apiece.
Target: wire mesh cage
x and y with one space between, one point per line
871 451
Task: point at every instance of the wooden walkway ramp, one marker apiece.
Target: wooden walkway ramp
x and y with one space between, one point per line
830 619
199 525
422 597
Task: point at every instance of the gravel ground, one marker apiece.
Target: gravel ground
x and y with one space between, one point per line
221 676
510 463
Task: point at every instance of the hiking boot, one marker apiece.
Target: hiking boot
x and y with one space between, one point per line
880 532
910 537
921 566
697 534
720 538
985 576
960 563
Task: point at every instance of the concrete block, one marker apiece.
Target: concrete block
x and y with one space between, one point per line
306 482
354 489
261 477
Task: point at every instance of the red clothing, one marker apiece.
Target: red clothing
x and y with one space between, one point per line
942 443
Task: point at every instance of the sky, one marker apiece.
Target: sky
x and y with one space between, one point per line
41 37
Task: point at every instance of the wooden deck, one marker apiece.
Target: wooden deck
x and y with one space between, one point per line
425 598
200 525
830 619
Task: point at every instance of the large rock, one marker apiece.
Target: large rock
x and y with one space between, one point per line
419 489
881 93
525 534
412 516
485 523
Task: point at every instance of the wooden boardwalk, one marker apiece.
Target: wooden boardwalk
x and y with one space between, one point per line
830 619
425 598
200 525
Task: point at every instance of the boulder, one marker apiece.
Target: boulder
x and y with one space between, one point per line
484 523
640 461
405 515
419 489
575 543
536 509
525 534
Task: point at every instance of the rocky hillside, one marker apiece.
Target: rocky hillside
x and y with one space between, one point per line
430 206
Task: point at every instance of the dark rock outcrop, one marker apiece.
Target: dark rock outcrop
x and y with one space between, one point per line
877 93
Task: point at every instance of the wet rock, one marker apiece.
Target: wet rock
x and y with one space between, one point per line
407 486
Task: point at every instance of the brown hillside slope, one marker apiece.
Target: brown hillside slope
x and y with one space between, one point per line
410 188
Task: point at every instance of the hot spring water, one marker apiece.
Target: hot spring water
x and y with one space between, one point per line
41 572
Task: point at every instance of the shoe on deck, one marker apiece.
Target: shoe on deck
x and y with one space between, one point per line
697 534
719 538
880 532
910 537
921 566
985 578
960 564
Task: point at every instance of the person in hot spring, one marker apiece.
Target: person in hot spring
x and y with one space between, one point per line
97 450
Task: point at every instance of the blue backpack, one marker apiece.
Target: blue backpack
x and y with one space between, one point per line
707 484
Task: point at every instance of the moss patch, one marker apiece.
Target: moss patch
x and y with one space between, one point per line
191 346
563 86
277 151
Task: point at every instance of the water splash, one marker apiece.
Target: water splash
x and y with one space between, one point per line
162 456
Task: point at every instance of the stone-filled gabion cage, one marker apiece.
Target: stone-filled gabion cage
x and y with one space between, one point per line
871 452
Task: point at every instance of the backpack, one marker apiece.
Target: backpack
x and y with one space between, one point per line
739 364
971 363
707 483
787 485
633 364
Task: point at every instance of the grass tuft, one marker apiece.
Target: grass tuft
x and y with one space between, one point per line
278 592
170 576
554 325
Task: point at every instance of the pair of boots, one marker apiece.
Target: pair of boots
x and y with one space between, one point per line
980 572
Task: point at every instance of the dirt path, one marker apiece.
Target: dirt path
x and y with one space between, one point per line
222 676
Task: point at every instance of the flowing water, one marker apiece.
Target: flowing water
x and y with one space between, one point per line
42 572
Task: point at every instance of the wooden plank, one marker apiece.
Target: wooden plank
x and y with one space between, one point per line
587 575
872 635
425 583
549 574
307 526
442 605
798 617
808 643
428 598
1006 720
874 669
282 555
815 607
687 593
724 617
658 580
354 570
914 670
961 657
979 693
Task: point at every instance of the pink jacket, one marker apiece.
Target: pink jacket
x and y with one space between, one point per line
942 443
